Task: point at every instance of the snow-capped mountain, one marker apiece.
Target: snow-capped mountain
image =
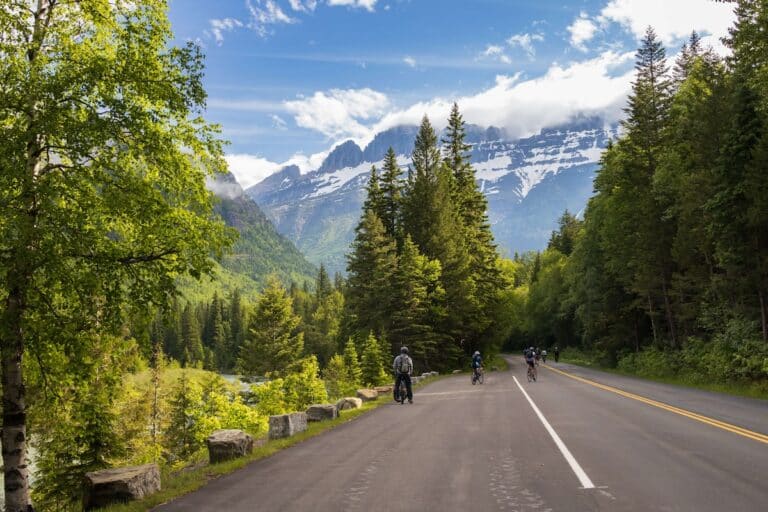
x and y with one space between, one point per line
529 183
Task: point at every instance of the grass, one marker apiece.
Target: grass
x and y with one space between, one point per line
181 482
749 390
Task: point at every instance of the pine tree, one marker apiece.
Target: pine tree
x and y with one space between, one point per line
370 267
564 239
352 363
419 305
373 372
323 286
391 189
190 338
272 346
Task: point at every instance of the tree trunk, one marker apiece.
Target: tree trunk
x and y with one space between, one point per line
14 432
653 321
763 315
670 316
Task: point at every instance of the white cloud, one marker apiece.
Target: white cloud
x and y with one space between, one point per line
525 41
218 27
362 4
671 20
265 13
410 61
278 122
339 113
298 5
248 105
582 30
251 169
496 52
523 107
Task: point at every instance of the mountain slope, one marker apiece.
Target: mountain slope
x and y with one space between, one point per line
528 182
259 251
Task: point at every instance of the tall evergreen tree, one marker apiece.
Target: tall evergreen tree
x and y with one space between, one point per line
272 346
373 372
392 191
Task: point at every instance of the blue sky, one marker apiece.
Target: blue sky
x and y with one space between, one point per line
288 79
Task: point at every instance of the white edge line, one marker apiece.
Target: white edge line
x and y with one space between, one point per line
586 483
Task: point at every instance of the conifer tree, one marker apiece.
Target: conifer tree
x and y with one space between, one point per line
391 190
352 363
373 372
190 338
370 266
272 346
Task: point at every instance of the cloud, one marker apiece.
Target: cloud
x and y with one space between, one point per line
298 5
671 20
339 112
497 53
524 107
410 61
278 122
248 105
582 30
265 13
251 169
525 41
361 4
218 27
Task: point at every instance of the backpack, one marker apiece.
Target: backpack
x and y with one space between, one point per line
404 364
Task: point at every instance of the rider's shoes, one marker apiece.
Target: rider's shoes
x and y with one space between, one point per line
410 401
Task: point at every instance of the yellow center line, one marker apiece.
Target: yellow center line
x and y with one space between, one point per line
757 436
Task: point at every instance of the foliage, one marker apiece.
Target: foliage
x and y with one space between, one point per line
303 387
373 373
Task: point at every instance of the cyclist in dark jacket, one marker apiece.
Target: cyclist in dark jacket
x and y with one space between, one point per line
403 367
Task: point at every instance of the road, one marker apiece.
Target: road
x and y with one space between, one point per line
484 448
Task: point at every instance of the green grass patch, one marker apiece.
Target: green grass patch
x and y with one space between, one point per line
181 482
738 388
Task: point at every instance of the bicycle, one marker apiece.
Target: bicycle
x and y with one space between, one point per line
478 375
402 393
531 373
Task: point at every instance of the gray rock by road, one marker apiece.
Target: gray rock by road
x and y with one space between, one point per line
350 402
322 412
228 444
287 425
120 485
366 395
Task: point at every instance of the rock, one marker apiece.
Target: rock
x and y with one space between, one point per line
456 371
120 485
426 375
287 425
366 395
227 445
322 412
415 380
350 402
435 374
383 390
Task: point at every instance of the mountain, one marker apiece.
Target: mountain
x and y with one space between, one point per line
529 182
259 250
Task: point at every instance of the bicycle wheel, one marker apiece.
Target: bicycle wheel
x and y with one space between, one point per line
528 374
481 377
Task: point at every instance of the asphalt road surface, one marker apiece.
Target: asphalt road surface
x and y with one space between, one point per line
632 446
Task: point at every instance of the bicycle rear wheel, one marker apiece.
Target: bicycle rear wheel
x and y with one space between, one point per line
481 377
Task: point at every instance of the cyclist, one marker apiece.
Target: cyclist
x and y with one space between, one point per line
403 367
530 359
477 365
557 353
544 355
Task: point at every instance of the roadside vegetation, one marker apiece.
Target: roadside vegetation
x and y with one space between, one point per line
666 274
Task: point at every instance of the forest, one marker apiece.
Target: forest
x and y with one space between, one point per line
105 216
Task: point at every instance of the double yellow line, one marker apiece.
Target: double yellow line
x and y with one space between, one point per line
757 436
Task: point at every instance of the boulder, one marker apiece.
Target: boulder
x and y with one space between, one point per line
350 402
456 371
321 412
435 374
384 390
228 444
426 375
366 395
415 380
287 425
120 485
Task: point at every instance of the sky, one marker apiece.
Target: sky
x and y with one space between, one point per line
287 80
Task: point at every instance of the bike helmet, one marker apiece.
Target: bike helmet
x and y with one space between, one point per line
403 350
477 353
